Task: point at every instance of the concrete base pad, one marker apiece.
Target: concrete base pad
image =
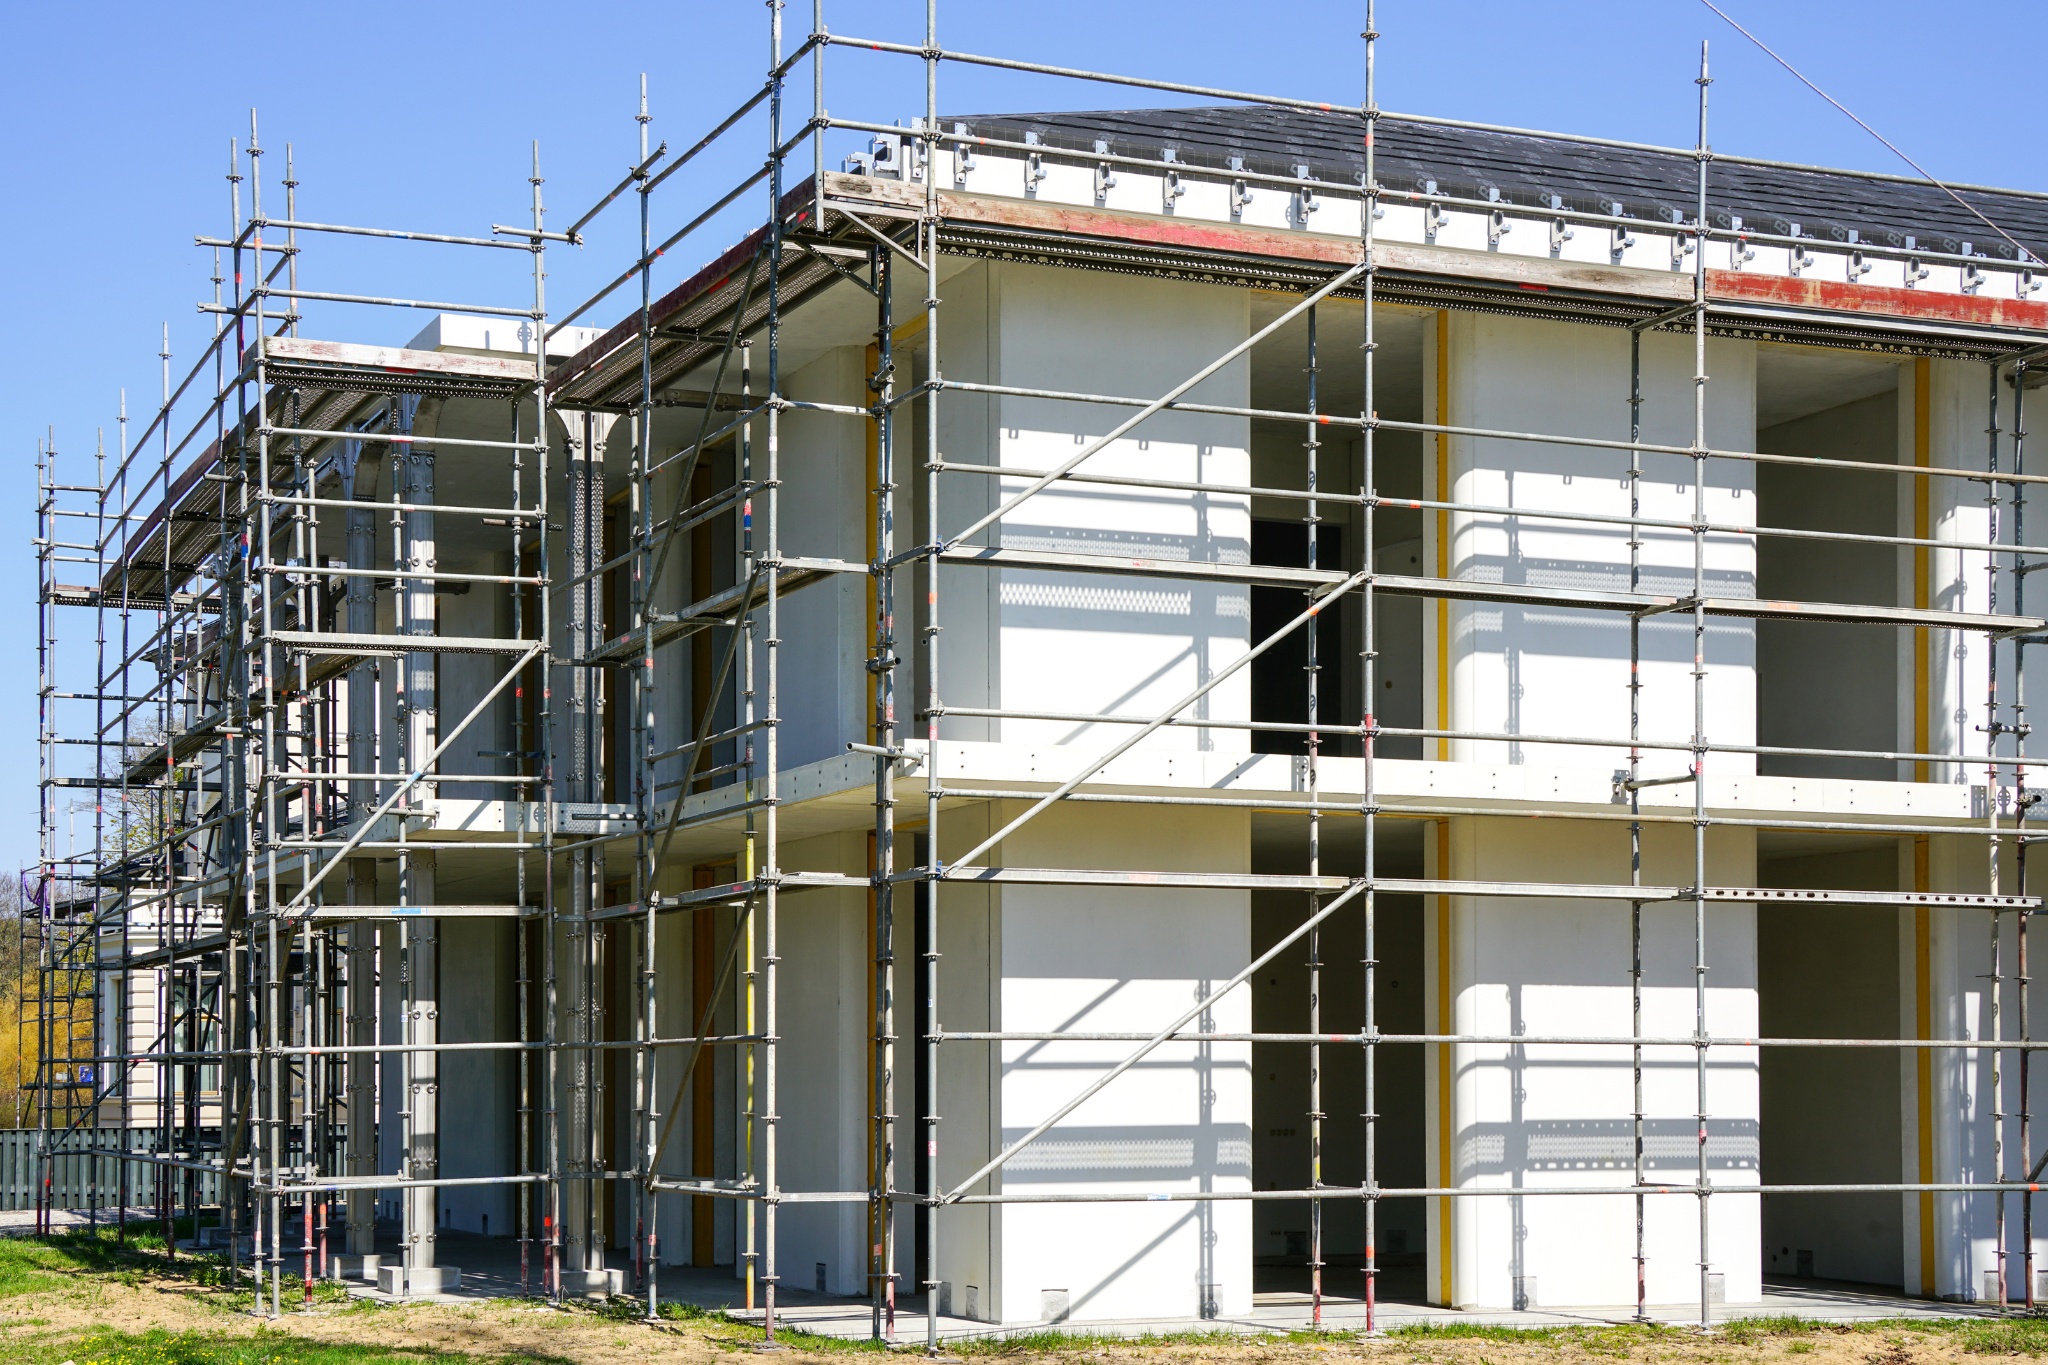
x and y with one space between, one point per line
420 1283
591 1284
346 1267
215 1239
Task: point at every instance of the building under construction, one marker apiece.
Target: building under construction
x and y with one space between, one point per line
1263 711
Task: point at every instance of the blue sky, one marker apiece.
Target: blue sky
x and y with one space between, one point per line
117 120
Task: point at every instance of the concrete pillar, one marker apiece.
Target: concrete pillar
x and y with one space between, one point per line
419 938
1524 1117
581 1071
1958 402
358 484
1952 1244
1947 990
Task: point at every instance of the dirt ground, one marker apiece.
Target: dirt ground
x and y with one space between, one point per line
127 1309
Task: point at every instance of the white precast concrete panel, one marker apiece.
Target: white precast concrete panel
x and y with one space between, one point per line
1088 643
1561 1115
480 1089
1959 415
969 647
969 1096
675 1017
824 1056
1959 980
1069 177
823 502
465 678
1122 959
672 707
1542 670
1958 955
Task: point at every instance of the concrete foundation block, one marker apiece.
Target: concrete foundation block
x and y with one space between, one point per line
422 1282
593 1284
215 1238
346 1267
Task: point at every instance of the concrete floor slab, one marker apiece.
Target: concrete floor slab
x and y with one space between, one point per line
1289 1311
492 1269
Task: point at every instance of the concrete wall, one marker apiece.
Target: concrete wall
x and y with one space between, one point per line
465 678
1831 971
1514 1117
962 1244
1957 418
1531 670
1111 958
479 1090
1523 1117
824 1057
1126 959
1951 1241
824 626
1948 1096
1821 684
1031 640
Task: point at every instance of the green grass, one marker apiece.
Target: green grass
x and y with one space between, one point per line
30 1265
1046 1342
2002 1336
719 1329
82 1263
262 1348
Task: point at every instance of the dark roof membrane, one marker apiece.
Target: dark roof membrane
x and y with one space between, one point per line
1529 170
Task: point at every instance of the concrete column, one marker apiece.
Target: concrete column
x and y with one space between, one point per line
1958 402
1951 1249
1525 1117
583 1266
1947 988
358 484
419 940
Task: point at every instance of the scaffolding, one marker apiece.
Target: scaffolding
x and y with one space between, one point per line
209 964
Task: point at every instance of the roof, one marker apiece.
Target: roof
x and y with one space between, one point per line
1528 168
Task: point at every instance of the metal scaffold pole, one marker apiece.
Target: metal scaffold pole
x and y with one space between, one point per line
641 680
770 1113
934 858
1368 492
1699 697
882 1177
1633 778
2023 804
1311 524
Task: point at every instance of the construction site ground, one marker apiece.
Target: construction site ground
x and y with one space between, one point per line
79 1297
